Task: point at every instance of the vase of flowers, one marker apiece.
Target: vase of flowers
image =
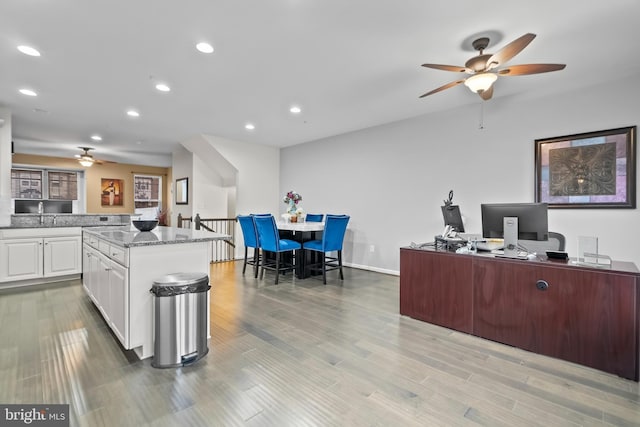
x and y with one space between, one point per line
292 199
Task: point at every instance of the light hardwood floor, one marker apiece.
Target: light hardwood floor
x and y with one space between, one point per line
295 354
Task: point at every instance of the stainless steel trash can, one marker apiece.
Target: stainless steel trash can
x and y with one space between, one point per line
180 319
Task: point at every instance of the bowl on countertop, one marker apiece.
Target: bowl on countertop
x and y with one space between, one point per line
145 224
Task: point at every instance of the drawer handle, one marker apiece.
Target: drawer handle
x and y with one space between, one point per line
542 285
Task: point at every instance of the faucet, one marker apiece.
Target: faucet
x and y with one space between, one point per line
41 212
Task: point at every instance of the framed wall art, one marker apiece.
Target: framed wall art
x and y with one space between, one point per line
182 191
587 170
112 192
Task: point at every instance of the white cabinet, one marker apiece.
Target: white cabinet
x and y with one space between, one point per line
106 281
102 286
119 301
34 253
62 255
20 259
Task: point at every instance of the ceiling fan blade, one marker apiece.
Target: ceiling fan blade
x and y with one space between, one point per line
486 94
509 51
519 70
441 88
454 68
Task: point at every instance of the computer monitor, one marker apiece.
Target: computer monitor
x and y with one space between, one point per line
452 217
532 220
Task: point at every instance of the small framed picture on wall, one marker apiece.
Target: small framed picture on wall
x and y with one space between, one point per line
112 192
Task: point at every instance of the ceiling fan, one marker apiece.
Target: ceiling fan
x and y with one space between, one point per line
484 67
86 159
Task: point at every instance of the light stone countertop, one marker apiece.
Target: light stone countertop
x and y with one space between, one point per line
49 220
129 236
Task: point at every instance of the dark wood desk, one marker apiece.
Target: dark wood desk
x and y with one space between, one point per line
582 314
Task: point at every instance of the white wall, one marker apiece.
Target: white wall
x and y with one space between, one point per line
209 194
258 169
182 167
392 179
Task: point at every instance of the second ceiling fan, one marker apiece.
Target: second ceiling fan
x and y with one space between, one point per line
483 68
87 160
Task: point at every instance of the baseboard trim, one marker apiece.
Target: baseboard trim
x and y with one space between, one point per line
370 268
358 266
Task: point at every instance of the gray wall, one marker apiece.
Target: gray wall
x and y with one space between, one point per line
393 178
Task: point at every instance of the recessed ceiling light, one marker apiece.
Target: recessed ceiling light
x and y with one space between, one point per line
28 50
28 92
249 126
204 47
163 87
96 137
133 113
295 109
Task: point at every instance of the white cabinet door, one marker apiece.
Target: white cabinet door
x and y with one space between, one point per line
62 255
103 295
20 259
94 272
86 269
119 302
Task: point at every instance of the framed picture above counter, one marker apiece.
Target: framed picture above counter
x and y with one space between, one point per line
587 170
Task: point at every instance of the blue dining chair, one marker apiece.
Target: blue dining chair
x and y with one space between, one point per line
270 241
250 236
335 227
314 217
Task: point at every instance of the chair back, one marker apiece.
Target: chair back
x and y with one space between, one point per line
249 232
334 228
267 232
553 236
314 217
556 242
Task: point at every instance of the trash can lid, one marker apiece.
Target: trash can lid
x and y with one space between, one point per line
180 283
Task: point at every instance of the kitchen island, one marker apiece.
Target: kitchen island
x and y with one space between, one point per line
120 265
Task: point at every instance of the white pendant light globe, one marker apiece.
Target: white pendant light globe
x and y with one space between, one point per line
480 82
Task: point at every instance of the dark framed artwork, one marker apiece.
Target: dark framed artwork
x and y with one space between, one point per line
111 192
182 191
587 170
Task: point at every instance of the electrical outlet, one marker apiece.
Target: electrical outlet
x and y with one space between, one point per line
372 248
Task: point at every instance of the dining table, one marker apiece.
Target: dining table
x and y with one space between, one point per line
301 232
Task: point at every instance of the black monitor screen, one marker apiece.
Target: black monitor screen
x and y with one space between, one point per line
532 220
452 217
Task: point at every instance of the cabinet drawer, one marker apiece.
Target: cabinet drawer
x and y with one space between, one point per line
90 240
104 247
118 254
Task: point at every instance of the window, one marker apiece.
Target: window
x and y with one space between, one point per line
147 191
26 184
63 185
42 184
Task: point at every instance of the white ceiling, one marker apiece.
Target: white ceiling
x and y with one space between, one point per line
350 64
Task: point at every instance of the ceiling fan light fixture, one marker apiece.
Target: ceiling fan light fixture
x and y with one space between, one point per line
85 159
480 82
86 162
